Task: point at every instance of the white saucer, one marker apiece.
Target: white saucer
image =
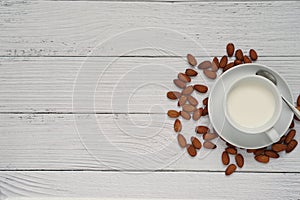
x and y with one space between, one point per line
224 128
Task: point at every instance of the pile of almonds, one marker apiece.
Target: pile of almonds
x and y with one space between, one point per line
190 109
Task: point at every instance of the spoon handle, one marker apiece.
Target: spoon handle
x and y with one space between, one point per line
292 107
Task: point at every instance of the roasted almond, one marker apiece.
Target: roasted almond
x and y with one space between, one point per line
182 100
251 150
278 147
239 159
205 101
230 49
216 62
179 83
197 114
253 54
181 140
204 65
191 60
196 143
173 95
183 77
201 129
189 108
210 74
281 140
177 125
188 90
247 59
191 150
292 124
200 88
259 151
238 62
223 61
262 158
192 100
209 145
173 113
230 169
231 150
191 72
185 115
205 111
239 55
225 158
290 136
228 66
298 101
291 146
271 154
209 136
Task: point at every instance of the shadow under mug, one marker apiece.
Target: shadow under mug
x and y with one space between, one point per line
266 127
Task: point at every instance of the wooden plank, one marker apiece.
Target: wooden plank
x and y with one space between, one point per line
160 185
113 142
81 28
105 85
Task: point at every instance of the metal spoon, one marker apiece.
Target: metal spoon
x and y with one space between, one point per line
272 78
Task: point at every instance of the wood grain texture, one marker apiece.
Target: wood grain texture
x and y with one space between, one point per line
179 185
113 142
105 85
81 28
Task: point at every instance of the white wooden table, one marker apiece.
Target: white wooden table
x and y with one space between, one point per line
83 104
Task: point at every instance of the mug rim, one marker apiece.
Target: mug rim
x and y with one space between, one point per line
277 112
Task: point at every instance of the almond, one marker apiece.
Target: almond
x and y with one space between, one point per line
173 95
182 100
290 136
173 113
197 114
188 90
177 125
281 140
210 74
214 67
193 101
185 115
230 49
251 150
179 83
223 61
238 62
253 54
200 88
191 150
230 169
215 62
205 101
278 147
262 158
298 101
239 159
209 145
204 65
271 154
247 59
291 146
259 151
228 66
205 111
196 143
225 158
181 140
183 77
292 124
201 129
189 108
209 136
239 55
191 60
191 72
231 150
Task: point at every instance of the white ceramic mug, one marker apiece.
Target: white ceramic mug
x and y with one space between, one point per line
253 105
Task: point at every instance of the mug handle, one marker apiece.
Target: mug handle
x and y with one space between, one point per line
273 135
